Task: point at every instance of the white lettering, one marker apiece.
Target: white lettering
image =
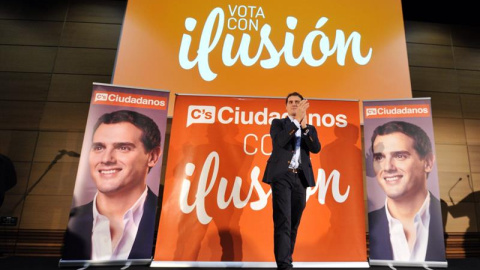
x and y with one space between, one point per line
245 144
315 41
220 115
322 187
206 185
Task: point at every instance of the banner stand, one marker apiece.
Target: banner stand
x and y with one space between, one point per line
120 120
258 264
391 263
399 150
87 263
216 212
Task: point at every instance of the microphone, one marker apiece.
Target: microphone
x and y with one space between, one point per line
72 154
459 179
68 153
59 156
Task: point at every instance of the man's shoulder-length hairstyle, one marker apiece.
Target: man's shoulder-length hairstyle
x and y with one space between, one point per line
151 136
421 141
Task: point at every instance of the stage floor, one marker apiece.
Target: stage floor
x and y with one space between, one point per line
15 262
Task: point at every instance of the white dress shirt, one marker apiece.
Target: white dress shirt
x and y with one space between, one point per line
400 247
102 247
295 162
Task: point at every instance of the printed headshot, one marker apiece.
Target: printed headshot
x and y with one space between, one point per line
118 224
409 225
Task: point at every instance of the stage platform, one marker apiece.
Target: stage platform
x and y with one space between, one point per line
43 263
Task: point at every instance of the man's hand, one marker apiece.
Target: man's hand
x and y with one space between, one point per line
304 122
302 111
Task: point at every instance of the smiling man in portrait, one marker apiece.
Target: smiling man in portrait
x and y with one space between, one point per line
409 226
119 223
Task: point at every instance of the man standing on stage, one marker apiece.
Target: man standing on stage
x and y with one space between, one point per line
289 172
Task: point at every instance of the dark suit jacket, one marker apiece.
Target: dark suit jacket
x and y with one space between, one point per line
379 233
282 132
78 238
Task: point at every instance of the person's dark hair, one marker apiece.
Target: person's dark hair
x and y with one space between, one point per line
421 141
151 136
293 94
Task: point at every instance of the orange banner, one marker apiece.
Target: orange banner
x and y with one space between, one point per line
216 208
328 49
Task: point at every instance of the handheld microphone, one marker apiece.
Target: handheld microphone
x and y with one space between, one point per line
459 179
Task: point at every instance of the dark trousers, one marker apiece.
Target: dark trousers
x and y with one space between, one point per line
289 199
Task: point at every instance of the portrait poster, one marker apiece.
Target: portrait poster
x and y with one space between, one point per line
118 175
329 49
402 184
217 212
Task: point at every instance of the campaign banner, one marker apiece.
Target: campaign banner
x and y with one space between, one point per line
216 210
112 218
405 219
211 47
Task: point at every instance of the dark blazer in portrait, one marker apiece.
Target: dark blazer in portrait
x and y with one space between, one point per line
78 238
379 233
282 132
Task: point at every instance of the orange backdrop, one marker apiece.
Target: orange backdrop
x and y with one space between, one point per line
324 49
215 207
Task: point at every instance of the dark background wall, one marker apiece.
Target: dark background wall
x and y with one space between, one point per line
51 51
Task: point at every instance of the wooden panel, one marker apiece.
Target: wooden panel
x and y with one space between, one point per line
30 32
22 170
477 208
8 240
449 131
45 212
474 155
466 36
443 104
20 114
51 10
24 86
461 218
468 81
26 59
455 185
12 206
467 58
73 88
472 131
18 145
96 11
430 33
475 178
85 61
64 116
470 106
50 143
433 79
463 246
39 243
421 55
59 180
90 35
452 158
